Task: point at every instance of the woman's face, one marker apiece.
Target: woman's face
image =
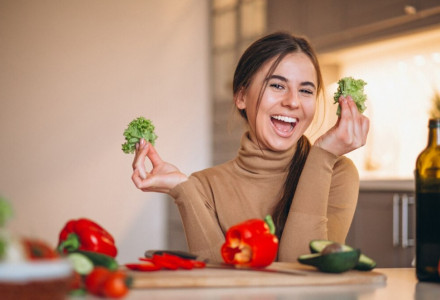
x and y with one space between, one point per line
287 106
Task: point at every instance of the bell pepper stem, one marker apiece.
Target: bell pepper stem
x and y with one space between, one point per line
71 243
269 221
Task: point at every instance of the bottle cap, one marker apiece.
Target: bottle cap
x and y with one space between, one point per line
434 123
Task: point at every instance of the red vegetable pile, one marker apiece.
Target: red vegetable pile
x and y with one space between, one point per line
92 250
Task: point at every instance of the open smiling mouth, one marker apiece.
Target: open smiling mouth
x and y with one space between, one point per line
284 124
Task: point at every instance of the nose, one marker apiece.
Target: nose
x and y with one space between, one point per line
291 100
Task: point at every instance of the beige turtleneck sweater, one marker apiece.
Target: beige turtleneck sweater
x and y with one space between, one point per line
249 186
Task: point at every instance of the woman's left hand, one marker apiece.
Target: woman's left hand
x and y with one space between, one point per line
350 131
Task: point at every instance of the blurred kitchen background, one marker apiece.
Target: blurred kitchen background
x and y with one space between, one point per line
73 74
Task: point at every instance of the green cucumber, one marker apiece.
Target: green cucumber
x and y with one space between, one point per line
100 259
365 263
336 262
80 263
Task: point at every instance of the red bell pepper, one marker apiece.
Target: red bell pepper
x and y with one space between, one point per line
251 243
84 234
38 249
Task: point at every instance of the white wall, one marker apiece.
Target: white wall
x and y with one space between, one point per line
73 74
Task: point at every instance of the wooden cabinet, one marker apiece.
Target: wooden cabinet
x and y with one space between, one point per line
334 24
384 227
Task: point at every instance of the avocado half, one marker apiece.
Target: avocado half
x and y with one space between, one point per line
364 264
336 262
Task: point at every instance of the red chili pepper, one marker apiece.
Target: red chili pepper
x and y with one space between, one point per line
84 234
172 262
251 243
144 267
181 262
164 262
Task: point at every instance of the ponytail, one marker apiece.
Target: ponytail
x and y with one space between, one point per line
281 210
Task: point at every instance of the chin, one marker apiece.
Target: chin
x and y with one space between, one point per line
284 146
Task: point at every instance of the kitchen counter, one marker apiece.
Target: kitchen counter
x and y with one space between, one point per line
387 185
401 284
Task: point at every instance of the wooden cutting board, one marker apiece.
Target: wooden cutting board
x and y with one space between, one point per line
211 277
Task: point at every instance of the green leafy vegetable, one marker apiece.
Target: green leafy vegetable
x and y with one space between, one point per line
137 129
354 88
5 211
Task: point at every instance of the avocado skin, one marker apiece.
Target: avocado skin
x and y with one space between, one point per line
336 262
365 263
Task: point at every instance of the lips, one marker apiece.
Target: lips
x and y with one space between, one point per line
284 125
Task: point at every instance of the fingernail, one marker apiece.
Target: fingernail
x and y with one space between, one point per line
142 142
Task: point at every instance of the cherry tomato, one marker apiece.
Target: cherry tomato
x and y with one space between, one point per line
115 286
76 282
96 279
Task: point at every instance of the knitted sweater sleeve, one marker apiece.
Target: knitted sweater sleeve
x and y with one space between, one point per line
323 205
200 222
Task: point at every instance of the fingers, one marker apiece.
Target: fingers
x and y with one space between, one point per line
345 124
142 183
353 125
365 128
139 159
152 183
153 156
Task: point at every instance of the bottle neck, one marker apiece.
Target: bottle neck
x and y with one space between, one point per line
434 133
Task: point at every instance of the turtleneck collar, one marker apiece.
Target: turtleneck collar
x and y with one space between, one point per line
253 159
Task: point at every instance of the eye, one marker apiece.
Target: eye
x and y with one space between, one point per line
276 86
307 91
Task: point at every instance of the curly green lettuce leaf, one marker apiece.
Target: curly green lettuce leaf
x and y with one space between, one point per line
354 88
137 129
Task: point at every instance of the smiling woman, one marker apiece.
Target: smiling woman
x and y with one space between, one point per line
310 190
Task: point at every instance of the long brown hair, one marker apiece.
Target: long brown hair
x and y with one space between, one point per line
277 45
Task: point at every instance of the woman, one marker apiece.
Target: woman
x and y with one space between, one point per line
311 191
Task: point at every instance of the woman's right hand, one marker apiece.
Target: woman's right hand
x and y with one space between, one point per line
350 131
162 178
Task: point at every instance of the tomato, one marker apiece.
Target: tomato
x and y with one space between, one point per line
115 286
96 279
76 282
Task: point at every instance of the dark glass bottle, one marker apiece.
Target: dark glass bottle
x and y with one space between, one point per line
427 177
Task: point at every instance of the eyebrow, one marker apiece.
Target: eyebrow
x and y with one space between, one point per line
282 78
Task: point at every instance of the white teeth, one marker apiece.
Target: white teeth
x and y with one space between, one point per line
285 119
